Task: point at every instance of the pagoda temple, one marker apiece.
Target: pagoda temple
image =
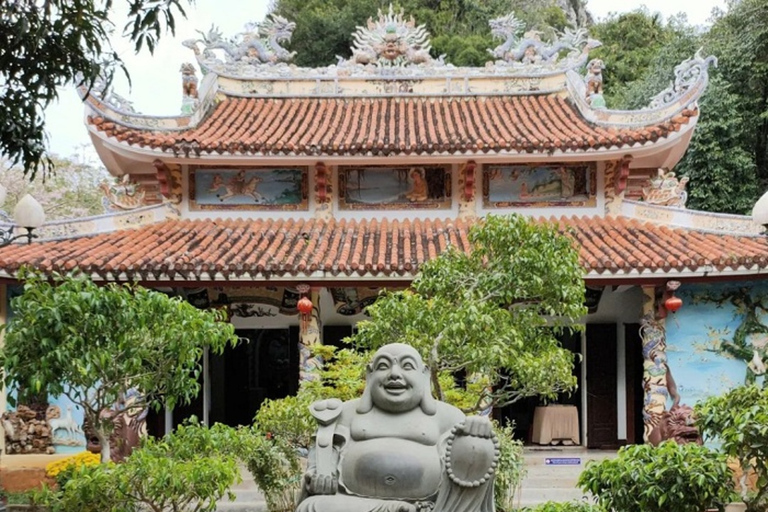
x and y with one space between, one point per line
278 182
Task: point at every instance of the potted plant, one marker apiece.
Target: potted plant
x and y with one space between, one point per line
668 477
738 419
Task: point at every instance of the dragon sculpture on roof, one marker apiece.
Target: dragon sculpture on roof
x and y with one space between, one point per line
390 41
529 49
258 44
687 74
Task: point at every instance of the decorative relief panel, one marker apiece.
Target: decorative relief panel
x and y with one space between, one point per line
394 188
253 188
505 186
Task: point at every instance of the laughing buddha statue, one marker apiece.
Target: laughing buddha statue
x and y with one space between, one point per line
397 449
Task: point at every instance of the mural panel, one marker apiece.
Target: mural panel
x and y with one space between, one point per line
394 188
718 339
505 186
283 188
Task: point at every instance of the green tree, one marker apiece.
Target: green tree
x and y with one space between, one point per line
739 38
45 45
738 419
722 170
72 191
93 344
493 314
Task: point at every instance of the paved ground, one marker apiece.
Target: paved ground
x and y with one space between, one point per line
544 481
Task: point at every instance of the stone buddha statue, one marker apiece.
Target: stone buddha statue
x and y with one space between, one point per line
397 449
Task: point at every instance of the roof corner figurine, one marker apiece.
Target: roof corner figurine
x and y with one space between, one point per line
397 449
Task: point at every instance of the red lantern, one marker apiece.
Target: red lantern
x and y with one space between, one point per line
305 312
673 303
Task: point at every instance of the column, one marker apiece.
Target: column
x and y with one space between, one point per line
309 337
653 335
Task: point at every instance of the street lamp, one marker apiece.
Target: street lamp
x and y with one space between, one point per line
28 214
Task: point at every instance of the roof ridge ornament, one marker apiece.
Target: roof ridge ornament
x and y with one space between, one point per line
101 90
260 44
528 49
390 41
687 74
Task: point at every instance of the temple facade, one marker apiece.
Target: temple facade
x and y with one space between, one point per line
278 183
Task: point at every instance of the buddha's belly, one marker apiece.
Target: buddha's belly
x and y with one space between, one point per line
390 468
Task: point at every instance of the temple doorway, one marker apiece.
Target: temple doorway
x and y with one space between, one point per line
265 364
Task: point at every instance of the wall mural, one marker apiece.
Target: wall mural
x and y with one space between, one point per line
718 339
248 189
505 186
393 188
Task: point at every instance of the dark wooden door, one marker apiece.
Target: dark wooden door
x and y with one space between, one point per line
602 422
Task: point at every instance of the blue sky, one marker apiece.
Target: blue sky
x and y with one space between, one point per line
156 81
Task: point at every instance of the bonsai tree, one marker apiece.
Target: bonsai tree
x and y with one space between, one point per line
738 419
94 344
492 315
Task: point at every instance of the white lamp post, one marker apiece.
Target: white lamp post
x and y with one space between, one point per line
28 214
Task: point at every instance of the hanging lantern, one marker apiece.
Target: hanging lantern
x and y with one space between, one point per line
305 312
673 303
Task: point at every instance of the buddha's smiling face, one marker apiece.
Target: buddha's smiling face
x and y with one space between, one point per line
398 379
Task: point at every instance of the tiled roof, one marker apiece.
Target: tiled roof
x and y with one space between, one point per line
208 250
387 125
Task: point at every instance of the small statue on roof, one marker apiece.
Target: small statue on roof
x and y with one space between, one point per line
188 88
594 82
390 41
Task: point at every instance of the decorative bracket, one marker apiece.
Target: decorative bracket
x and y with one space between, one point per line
322 184
623 174
169 180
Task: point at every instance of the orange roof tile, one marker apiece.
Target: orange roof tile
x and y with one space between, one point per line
386 125
199 249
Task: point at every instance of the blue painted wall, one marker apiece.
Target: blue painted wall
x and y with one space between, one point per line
697 332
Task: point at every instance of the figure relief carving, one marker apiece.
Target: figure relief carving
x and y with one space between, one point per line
666 189
123 194
397 449
390 41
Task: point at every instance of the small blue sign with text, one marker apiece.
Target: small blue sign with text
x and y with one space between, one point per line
563 461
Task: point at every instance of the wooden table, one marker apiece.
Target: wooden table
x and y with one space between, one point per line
553 424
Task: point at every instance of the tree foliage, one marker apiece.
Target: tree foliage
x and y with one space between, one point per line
94 344
493 314
72 191
45 45
188 470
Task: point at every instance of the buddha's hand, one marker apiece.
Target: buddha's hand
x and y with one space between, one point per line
477 426
395 506
321 484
